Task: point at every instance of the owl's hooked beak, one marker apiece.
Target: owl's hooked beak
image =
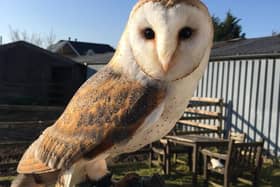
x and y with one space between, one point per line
166 52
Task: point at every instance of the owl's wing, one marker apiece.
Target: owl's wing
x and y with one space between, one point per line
106 110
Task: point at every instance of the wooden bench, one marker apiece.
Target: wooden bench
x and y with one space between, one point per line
240 158
203 116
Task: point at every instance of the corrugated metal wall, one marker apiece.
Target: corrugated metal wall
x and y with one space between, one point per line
251 88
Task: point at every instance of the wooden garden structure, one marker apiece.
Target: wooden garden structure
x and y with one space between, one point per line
203 116
239 158
19 127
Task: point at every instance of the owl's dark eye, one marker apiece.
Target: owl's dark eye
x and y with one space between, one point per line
148 34
185 33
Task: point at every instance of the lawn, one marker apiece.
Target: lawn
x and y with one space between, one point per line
180 175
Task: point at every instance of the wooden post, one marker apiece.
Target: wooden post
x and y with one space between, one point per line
168 156
205 170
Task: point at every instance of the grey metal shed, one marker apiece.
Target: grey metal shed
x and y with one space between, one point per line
246 74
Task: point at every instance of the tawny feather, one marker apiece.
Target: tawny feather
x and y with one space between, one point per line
100 115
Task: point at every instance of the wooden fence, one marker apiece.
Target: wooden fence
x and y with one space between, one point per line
19 126
18 93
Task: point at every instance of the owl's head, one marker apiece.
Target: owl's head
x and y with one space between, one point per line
169 38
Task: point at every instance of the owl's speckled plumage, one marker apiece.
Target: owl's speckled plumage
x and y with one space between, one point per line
136 99
105 111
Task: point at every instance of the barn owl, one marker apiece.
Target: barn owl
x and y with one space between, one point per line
134 100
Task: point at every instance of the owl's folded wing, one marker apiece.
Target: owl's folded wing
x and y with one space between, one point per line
106 110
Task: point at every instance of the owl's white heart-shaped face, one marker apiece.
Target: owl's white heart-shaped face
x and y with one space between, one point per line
169 42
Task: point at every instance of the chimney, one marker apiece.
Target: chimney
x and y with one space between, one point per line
1 40
76 39
69 38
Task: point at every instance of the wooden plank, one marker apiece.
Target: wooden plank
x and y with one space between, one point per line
206 100
198 138
13 143
20 133
203 112
196 132
201 104
31 108
24 84
200 118
200 125
7 165
28 124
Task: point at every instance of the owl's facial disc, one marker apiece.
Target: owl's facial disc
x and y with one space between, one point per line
169 42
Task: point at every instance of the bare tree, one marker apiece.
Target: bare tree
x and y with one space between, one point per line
275 33
51 38
34 38
14 34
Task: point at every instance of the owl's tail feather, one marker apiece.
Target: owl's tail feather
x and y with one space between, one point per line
23 180
35 180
